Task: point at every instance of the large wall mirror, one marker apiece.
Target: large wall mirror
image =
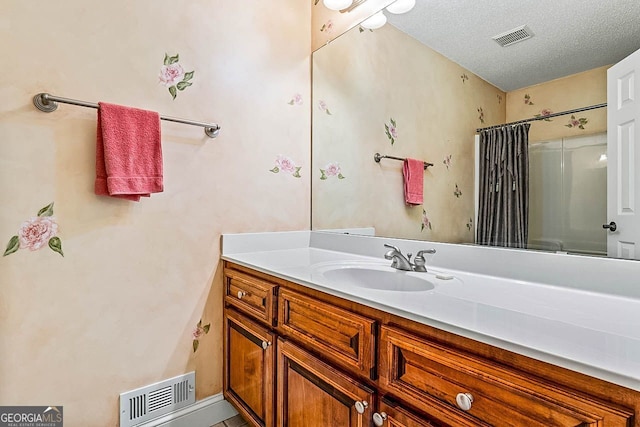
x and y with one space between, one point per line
422 84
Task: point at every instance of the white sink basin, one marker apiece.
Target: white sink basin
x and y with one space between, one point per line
375 277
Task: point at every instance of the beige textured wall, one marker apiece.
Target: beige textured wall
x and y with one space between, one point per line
361 81
119 309
568 93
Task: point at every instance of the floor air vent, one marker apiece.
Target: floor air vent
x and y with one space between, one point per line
513 36
155 400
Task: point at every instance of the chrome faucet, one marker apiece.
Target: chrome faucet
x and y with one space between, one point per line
401 262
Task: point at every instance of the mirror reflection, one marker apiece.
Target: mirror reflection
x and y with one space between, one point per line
420 87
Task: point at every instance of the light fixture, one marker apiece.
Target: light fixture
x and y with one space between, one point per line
337 4
401 6
374 22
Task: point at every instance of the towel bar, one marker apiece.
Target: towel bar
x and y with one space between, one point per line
48 103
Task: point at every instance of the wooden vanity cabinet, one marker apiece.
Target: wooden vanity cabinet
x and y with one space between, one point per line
295 356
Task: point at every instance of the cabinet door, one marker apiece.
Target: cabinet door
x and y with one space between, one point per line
312 393
391 414
249 368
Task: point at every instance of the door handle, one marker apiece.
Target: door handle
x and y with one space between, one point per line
612 226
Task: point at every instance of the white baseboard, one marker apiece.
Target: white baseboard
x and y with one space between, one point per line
203 413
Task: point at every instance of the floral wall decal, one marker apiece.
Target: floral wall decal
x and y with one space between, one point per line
323 107
296 100
527 99
391 131
331 169
327 27
499 98
481 115
285 164
577 123
447 161
37 231
457 192
470 224
362 29
173 76
464 78
544 113
425 221
198 332
315 2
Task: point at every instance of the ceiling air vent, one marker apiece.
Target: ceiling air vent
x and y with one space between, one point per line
513 36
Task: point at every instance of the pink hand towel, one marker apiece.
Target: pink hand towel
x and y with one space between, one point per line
128 152
413 175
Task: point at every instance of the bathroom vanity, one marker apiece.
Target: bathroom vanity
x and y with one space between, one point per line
318 331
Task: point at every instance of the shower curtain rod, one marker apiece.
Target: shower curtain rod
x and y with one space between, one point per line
533 119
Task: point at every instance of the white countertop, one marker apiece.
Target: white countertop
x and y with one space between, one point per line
594 333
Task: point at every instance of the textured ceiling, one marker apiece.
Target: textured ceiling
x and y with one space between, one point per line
570 35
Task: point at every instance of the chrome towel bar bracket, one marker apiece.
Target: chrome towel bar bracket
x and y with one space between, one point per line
377 157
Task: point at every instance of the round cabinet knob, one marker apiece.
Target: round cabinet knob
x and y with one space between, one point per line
265 344
464 401
379 418
241 294
361 406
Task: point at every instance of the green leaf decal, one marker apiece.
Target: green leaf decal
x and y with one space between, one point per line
188 76
12 246
200 323
173 59
296 174
393 122
323 176
46 211
56 245
196 343
290 102
274 170
340 176
328 112
206 328
183 85
173 91
166 59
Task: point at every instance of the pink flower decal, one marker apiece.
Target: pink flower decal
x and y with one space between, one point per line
37 231
173 76
527 99
447 161
577 123
425 221
198 332
457 192
328 27
499 98
331 169
543 114
285 164
323 107
464 77
481 115
296 100
391 130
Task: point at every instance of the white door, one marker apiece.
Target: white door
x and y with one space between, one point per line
623 153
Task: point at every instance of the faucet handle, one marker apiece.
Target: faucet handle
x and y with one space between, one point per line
425 251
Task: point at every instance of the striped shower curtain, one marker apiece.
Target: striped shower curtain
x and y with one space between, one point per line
503 208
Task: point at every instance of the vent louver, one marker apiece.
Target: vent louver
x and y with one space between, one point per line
155 400
513 36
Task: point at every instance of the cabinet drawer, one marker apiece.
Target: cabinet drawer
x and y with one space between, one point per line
342 336
392 414
251 295
419 370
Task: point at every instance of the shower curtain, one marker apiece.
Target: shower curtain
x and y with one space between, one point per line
503 207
